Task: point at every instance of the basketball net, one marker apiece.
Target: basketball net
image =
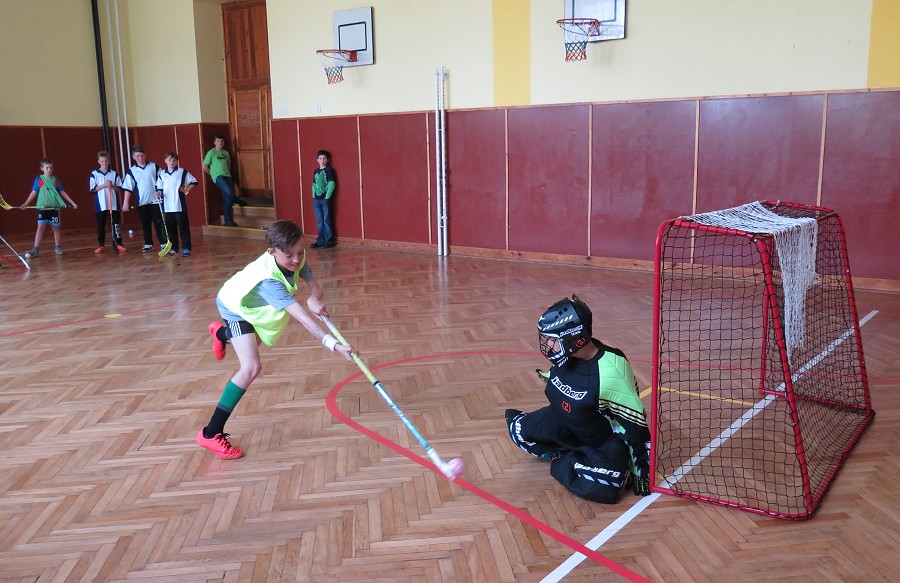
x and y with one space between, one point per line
577 31
795 243
333 62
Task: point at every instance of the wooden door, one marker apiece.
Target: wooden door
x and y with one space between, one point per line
249 95
250 113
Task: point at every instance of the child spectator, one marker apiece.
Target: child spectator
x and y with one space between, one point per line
217 164
104 182
51 196
323 184
172 185
140 180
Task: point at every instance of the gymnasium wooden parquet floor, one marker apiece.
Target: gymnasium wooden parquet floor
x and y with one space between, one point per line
107 376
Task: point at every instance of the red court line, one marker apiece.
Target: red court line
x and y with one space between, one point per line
331 402
95 318
151 308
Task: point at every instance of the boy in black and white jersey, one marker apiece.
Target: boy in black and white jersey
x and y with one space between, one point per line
172 184
140 180
103 183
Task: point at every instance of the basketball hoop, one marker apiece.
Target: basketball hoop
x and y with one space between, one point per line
576 38
333 61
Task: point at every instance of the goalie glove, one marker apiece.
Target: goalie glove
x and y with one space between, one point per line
641 478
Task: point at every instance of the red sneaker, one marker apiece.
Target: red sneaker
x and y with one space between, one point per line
98 250
218 345
219 445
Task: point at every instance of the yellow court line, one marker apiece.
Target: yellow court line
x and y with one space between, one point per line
701 395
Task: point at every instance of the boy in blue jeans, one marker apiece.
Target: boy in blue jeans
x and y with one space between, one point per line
323 184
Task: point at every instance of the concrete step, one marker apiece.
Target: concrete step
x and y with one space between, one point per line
241 232
254 211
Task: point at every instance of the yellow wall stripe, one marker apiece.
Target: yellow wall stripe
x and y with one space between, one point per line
884 44
512 52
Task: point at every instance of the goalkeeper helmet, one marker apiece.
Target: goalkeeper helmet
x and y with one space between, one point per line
565 328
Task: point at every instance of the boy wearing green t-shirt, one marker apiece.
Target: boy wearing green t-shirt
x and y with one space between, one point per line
217 164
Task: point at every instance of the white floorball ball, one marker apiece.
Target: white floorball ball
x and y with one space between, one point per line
27 255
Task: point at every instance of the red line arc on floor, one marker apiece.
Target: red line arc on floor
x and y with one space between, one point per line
331 403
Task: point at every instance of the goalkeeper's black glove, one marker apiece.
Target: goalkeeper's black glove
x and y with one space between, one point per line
641 482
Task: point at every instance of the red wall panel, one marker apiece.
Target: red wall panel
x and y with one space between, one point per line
759 148
339 136
861 178
74 154
190 154
156 140
286 168
548 179
642 174
395 175
476 178
20 151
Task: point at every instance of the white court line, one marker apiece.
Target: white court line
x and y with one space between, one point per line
618 524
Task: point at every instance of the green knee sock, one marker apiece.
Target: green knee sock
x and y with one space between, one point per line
229 400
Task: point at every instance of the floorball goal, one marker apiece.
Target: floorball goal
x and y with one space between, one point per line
759 381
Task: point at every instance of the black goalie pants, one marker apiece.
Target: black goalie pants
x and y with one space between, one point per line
595 472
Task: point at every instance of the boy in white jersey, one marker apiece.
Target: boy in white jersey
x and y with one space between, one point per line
140 181
104 182
172 185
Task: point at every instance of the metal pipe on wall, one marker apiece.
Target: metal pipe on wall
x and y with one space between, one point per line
440 154
112 54
98 50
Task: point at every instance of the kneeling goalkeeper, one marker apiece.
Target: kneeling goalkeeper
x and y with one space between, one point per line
594 431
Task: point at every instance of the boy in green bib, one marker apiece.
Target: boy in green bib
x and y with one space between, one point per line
51 196
256 304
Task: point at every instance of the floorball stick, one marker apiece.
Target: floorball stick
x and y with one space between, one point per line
16 253
168 246
452 469
113 227
7 207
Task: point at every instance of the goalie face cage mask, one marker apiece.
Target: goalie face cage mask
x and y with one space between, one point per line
565 328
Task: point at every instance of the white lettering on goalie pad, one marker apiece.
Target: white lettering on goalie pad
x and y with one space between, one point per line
567 390
595 470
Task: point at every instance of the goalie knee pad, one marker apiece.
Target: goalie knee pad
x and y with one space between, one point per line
590 474
514 419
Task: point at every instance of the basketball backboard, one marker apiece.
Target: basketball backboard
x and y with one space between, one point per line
353 31
610 13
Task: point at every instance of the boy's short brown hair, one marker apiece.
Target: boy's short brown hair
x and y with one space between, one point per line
283 235
103 154
172 155
44 162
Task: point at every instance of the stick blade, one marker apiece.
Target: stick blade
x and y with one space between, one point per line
165 250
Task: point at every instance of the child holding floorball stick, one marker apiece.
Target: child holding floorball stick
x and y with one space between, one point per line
256 304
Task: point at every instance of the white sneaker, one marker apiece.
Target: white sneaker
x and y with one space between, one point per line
146 248
59 250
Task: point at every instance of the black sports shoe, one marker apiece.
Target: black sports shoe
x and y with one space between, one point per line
240 201
314 246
